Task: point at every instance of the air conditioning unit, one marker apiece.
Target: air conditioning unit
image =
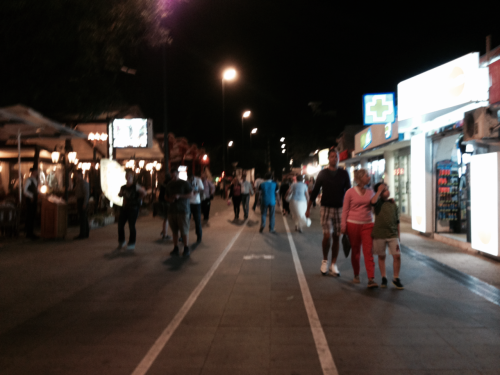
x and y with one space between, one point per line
479 123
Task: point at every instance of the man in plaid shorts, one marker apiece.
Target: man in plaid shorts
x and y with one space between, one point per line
335 182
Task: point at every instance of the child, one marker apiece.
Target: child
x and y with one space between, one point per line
386 232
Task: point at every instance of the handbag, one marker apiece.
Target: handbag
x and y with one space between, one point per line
289 196
346 245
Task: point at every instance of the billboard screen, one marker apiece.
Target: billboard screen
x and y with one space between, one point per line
132 133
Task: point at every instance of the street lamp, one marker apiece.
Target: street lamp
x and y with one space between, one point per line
230 144
282 139
254 130
283 145
245 115
228 75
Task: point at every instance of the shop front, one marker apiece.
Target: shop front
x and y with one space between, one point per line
432 107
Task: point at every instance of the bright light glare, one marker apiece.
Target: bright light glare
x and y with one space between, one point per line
283 145
71 156
97 166
311 169
315 152
291 161
254 130
137 170
158 166
282 139
91 137
246 114
469 148
229 74
141 164
230 143
283 151
43 189
205 157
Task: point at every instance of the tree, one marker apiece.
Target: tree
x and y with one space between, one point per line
65 57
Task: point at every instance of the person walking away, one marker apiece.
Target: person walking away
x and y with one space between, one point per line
298 203
132 194
334 182
310 187
357 222
285 185
209 190
386 233
246 191
269 196
178 194
162 199
82 203
195 204
30 192
235 194
257 183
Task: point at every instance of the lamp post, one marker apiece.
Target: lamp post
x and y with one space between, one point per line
254 131
230 144
228 75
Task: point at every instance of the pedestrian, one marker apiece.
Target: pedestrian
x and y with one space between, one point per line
257 183
162 199
285 185
195 203
209 190
310 187
132 194
386 233
298 203
178 194
82 204
269 196
31 195
246 191
334 182
357 222
235 193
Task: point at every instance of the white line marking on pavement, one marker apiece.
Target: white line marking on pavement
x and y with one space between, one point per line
253 256
160 343
325 356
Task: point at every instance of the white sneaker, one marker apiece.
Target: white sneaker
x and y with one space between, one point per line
131 247
324 267
308 222
334 270
121 245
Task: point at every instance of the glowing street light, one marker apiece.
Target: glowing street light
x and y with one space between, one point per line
230 144
71 156
228 75
254 130
283 151
246 114
282 139
283 145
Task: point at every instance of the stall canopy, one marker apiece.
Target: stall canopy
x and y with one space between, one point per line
20 124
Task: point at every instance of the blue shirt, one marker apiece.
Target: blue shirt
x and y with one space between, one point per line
268 190
299 191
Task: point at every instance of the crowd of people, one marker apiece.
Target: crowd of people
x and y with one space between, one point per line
344 210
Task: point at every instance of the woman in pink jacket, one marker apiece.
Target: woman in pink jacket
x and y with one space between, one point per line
357 222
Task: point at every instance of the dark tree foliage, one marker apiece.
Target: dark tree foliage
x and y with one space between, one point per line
65 56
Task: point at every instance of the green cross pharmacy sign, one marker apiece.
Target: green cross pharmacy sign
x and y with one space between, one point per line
378 109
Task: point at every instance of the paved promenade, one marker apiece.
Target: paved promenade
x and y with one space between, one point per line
243 303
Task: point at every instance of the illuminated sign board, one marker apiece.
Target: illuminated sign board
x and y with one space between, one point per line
388 131
421 183
366 139
375 136
112 179
484 202
183 175
455 83
378 108
323 157
132 133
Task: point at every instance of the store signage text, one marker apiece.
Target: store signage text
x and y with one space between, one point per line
399 171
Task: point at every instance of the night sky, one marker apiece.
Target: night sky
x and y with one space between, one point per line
289 54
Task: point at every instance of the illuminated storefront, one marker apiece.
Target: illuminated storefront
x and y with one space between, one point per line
432 112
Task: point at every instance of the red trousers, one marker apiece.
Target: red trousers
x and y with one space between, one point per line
361 235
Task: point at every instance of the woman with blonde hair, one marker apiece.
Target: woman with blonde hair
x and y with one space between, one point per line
357 222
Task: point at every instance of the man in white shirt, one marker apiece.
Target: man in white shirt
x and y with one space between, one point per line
195 203
258 181
31 195
246 191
